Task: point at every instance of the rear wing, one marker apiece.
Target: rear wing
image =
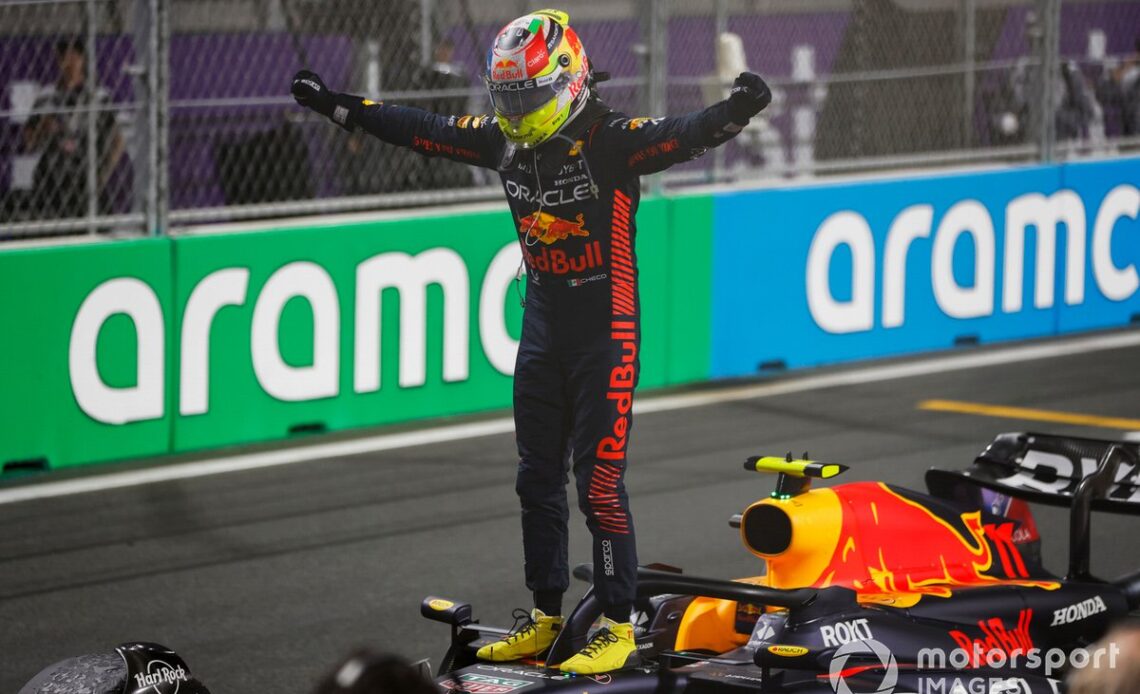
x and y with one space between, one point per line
1079 473
1048 469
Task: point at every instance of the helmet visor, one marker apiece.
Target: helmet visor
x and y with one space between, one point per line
518 98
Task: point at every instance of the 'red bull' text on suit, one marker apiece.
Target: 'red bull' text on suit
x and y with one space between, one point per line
574 199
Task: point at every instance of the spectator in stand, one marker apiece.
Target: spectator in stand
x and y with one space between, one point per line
1077 107
444 74
58 130
1120 88
1074 106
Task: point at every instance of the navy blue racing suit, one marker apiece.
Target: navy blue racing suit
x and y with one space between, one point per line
574 200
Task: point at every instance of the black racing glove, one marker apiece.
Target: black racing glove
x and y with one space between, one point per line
749 96
311 92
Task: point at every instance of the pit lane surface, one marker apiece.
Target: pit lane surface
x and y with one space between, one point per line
263 579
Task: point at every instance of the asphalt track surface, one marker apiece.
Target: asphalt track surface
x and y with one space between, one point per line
263 579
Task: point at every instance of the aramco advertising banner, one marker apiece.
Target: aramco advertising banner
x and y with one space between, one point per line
85 349
136 348
808 276
117 350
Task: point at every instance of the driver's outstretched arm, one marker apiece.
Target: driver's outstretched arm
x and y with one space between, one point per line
472 140
649 145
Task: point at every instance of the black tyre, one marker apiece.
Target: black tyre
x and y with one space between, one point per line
97 673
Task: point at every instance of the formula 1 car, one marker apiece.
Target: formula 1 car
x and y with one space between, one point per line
869 587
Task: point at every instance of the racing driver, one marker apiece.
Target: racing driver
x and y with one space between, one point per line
570 166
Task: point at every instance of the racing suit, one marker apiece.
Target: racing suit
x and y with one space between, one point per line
574 201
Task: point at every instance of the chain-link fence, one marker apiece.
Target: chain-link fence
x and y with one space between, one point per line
240 147
873 84
70 118
137 116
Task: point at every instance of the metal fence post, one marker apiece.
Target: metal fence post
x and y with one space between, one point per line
969 76
161 96
654 25
92 89
720 21
145 78
658 56
426 56
655 28
1050 28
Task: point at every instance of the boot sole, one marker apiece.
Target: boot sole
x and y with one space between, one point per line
633 662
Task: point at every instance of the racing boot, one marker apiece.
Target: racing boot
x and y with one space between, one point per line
610 648
532 634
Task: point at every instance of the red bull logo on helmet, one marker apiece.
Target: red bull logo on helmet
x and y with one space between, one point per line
507 70
575 42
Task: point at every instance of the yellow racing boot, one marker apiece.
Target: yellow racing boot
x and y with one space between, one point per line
610 648
532 634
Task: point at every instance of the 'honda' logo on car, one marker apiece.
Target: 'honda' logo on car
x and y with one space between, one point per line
1079 611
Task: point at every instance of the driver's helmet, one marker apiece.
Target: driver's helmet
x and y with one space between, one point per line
537 76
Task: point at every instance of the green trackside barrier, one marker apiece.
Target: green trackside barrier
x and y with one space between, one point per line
329 328
85 353
201 341
688 338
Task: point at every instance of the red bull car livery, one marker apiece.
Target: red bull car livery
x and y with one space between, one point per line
868 587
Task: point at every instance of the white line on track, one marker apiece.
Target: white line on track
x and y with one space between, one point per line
456 432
